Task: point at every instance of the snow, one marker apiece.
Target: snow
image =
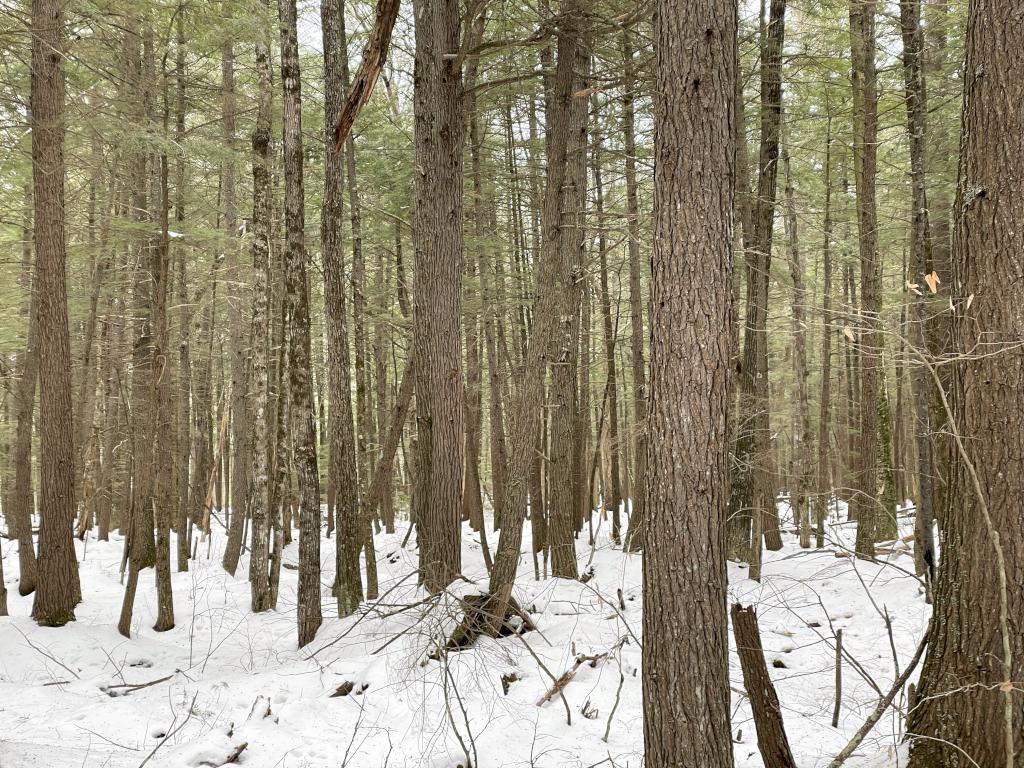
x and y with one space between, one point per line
237 678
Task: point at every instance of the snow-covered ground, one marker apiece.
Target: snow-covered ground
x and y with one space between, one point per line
66 697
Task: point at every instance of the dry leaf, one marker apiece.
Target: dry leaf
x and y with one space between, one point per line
1006 687
933 281
970 300
848 333
911 286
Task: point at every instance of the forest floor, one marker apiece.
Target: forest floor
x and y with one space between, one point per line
67 695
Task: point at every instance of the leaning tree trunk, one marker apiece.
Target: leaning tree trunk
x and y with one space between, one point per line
686 705
970 711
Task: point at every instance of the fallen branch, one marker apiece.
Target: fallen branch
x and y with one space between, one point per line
568 675
883 705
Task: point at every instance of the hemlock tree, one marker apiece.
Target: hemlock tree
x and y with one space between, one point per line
970 711
686 702
57 589
437 321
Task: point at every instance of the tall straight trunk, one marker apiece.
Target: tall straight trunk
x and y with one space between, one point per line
472 497
802 483
613 499
634 533
922 387
437 296
297 302
182 523
238 342
143 413
348 528
970 711
753 490
824 484
550 306
258 492
58 590
19 517
563 395
686 705
866 506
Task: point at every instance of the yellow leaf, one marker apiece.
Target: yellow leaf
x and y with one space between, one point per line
933 281
848 332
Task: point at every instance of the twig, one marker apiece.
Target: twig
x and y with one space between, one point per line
172 732
839 677
883 705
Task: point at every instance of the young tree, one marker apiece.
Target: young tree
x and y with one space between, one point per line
58 590
686 704
969 708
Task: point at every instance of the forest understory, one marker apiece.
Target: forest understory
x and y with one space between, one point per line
366 693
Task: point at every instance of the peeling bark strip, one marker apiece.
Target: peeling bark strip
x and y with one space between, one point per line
373 61
686 705
771 731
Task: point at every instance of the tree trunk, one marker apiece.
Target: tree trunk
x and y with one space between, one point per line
867 507
969 709
58 590
771 732
686 704
297 304
801 485
258 492
634 533
19 517
753 490
437 294
348 585
922 387
824 482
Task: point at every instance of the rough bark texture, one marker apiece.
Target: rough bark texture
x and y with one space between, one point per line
686 705
258 493
342 468
563 396
753 492
866 504
58 589
297 306
922 265
963 704
437 296
764 702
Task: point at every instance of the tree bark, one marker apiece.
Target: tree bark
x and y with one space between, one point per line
686 705
969 709
348 586
300 389
58 590
437 295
